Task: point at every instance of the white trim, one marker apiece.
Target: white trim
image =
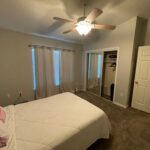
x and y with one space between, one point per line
61 39
50 47
118 104
101 50
116 74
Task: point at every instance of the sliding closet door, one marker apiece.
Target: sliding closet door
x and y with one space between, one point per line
101 55
94 73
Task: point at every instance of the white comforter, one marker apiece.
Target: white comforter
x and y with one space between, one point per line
61 122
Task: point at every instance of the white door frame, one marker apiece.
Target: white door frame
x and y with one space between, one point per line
101 51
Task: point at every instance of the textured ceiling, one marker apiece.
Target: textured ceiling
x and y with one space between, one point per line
36 16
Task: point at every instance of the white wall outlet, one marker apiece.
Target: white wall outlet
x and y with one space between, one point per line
20 93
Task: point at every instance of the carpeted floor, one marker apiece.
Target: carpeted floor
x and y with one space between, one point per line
130 127
95 90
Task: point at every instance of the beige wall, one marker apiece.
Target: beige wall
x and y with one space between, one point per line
16 64
122 37
147 34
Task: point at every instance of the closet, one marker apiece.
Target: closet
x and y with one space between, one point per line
109 72
101 73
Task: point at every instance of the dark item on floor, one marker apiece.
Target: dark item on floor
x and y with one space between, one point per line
112 91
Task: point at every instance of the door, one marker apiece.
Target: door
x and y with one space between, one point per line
100 69
94 72
141 92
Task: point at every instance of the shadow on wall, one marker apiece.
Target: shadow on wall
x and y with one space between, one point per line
52 28
140 35
75 8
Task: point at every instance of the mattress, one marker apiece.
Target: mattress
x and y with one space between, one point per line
61 122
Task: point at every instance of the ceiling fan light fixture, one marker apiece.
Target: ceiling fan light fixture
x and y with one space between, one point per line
83 27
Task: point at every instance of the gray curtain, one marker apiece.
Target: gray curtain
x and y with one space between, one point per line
44 73
67 71
45 81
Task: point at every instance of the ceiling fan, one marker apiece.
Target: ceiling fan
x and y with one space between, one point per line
85 24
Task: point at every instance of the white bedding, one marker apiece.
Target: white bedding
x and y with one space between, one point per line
61 122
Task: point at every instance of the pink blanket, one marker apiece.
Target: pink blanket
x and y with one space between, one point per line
3 141
2 115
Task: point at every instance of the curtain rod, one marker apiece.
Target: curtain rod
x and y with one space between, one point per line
44 46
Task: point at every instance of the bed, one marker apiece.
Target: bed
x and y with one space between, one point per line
61 122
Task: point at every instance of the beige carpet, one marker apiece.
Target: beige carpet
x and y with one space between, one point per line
130 127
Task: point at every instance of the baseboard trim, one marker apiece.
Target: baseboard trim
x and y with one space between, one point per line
123 106
116 103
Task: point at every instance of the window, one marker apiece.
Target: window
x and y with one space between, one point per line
56 62
34 69
51 66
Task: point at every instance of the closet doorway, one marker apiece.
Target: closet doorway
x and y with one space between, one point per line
109 73
101 72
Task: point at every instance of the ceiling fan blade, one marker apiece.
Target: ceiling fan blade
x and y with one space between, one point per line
70 30
104 27
93 14
61 19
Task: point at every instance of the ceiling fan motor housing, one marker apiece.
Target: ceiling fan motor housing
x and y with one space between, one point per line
81 19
